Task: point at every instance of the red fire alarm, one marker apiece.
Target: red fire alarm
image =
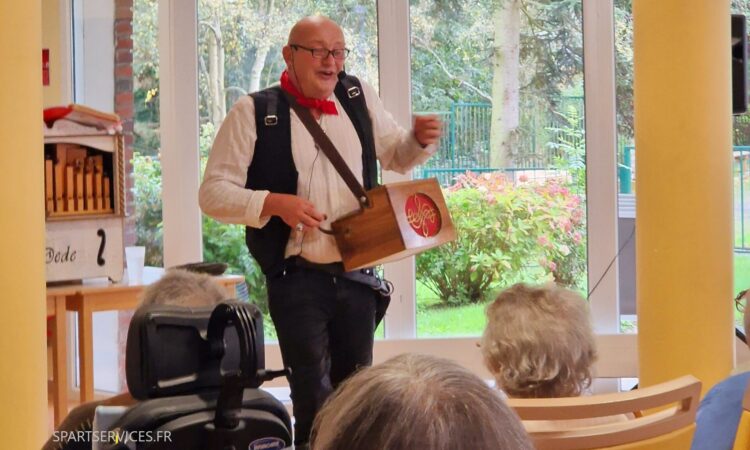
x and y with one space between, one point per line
45 66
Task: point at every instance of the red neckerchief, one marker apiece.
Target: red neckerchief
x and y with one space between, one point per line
325 106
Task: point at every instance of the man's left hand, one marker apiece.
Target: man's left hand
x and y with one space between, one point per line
427 129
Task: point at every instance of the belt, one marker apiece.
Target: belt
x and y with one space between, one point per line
334 268
364 276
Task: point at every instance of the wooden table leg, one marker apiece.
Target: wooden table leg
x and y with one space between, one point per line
59 361
86 351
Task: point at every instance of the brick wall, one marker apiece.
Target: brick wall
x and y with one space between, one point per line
124 100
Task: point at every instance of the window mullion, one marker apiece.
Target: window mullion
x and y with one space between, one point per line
395 90
601 162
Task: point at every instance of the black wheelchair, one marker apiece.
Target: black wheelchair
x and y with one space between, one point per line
196 374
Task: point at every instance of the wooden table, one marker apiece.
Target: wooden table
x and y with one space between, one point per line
86 299
56 297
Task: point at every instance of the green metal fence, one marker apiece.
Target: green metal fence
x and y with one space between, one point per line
467 130
625 165
465 144
466 147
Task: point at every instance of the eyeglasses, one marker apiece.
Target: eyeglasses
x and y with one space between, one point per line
322 53
740 301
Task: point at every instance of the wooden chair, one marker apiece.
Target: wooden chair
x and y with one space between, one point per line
742 439
668 421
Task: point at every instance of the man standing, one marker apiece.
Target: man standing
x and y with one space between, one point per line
265 171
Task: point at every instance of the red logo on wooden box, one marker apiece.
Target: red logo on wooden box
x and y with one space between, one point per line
423 215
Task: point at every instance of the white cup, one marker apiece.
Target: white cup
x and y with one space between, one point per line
135 258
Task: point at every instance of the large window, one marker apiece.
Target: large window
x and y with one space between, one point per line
627 178
507 79
239 46
741 170
626 185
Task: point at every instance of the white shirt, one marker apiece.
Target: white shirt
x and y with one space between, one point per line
224 197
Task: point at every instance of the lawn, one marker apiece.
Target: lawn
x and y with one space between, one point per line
741 271
436 321
466 320
741 278
470 321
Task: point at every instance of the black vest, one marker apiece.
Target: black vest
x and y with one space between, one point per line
273 169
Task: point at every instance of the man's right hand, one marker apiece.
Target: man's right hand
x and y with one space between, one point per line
293 210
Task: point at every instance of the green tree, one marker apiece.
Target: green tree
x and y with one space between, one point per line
145 78
535 48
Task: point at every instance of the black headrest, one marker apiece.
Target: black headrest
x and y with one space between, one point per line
168 352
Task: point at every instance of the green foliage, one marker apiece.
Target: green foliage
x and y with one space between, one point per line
562 235
451 51
551 45
624 66
741 129
145 78
252 33
147 196
569 145
503 231
226 243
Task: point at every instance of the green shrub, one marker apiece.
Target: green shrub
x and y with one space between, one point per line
502 232
570 143
147 198
226 243
562 241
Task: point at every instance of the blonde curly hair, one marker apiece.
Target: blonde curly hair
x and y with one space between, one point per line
539 342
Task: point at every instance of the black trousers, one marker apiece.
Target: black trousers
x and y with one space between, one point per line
326 325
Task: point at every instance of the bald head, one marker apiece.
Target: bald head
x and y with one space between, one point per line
312 27
313 75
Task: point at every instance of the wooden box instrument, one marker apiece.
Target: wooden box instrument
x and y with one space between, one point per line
394 221
403 219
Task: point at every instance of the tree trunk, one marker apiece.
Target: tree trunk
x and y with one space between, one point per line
262 50
216 74
255 72
505 68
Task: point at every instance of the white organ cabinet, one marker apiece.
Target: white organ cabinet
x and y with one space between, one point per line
84 201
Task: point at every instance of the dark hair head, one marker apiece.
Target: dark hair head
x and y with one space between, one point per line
417 402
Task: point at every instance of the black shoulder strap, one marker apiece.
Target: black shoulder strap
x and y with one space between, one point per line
270 119
352 98
266 107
